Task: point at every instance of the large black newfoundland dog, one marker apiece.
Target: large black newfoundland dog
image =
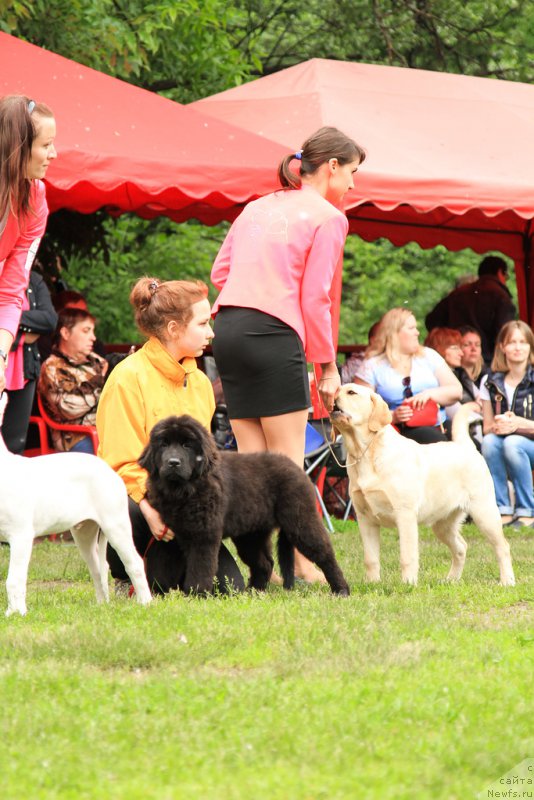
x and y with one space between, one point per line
204 495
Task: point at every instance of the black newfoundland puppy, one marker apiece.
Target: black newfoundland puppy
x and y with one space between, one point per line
204 495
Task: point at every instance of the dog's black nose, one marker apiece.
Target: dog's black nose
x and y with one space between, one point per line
174 462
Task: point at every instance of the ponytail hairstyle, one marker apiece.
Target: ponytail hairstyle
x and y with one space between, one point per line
19 122
324 144
156 303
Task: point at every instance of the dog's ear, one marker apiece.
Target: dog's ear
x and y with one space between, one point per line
147 460
208 454
380 413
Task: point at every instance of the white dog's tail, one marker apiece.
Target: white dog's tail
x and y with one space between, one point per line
460 425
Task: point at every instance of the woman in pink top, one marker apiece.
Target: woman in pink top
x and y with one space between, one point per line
272 316
27 131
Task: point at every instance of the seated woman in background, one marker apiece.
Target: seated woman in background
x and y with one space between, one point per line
473 365
72 378
507 395
355 360
407 375
68 298
448 343
159 380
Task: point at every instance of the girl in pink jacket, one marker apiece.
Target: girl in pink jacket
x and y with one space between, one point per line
272 316
27 132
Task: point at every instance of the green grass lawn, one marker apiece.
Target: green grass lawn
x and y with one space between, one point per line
395 692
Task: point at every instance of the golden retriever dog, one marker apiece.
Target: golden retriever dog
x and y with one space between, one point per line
399 483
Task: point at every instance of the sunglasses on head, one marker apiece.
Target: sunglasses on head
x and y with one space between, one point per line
407 383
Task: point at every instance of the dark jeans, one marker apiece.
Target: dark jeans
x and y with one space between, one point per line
164 561
85 445
425 434
17 418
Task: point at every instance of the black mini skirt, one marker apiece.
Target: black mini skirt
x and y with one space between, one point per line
261 362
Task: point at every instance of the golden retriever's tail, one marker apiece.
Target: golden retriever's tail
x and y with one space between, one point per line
460 426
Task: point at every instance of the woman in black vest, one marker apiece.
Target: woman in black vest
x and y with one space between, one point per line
507 397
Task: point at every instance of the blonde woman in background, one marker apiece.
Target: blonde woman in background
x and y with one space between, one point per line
472 361
406 374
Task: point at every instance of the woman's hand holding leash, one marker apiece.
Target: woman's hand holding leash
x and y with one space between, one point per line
328 385
157 528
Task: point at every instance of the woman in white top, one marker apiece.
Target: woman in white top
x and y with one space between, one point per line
407 375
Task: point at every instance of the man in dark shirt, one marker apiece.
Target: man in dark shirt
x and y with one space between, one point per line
485 305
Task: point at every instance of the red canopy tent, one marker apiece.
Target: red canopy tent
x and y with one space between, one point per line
127 149
449 157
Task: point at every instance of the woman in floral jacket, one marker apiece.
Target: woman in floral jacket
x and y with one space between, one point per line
72 378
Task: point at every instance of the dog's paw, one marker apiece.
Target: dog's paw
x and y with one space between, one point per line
21 611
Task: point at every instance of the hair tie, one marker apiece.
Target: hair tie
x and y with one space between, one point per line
298 155
31 106
153 286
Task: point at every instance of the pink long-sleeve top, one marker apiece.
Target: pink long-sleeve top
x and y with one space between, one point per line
280 257
19 242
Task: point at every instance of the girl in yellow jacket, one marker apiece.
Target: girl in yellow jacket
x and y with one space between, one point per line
159 380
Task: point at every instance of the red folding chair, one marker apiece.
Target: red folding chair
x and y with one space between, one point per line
87 430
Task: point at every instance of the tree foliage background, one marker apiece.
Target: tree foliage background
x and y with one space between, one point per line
187 49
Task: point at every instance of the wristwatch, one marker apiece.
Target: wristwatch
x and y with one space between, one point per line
3 355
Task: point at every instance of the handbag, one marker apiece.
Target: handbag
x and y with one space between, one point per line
425 416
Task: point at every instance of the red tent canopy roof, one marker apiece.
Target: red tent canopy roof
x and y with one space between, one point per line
449 157
128 149
434 140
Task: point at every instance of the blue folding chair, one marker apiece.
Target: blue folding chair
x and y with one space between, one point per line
316 454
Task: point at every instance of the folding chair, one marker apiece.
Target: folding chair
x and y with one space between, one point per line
336 480
87 430
333 480
44 447
317 452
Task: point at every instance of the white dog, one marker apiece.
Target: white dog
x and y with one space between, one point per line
62 491
399 483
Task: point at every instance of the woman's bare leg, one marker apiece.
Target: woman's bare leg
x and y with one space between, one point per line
249 435
251 439
286 434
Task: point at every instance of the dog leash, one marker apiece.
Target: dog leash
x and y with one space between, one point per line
131 590
325 435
